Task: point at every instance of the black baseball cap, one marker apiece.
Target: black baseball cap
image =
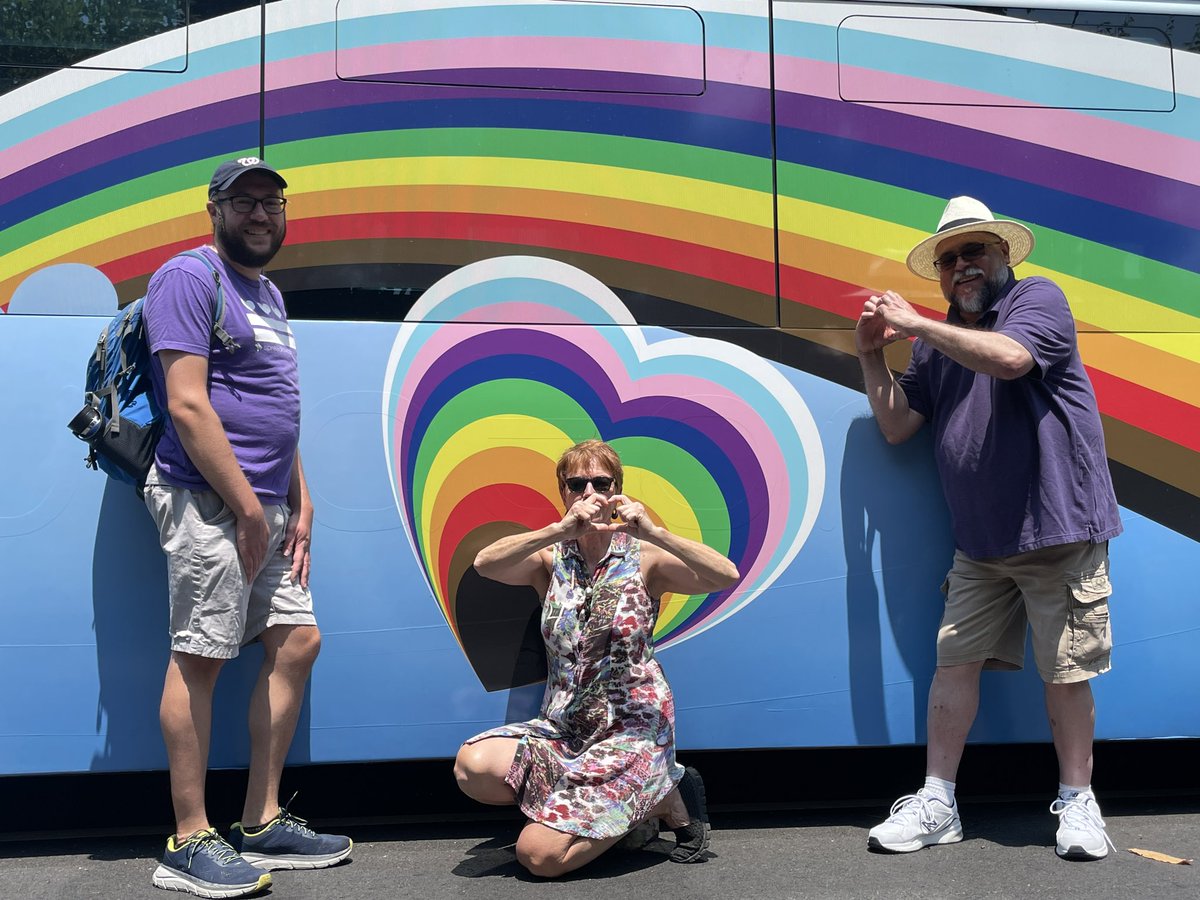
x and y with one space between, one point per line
229 172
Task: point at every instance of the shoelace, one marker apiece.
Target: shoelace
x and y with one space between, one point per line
294 822
221 850
911 805
1080 815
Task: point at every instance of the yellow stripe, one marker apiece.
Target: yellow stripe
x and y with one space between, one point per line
1091 303
691 194
479 436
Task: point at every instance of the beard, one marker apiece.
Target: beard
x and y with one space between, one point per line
984 297
235 246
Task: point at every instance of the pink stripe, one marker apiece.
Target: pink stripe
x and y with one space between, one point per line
734 66
1074 132
648 57
182 97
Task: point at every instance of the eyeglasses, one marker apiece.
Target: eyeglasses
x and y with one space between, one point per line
969 252
599 482
244 203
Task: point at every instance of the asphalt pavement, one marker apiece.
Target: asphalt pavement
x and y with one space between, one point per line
1008 852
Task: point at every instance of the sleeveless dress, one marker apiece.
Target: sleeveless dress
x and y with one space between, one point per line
602 753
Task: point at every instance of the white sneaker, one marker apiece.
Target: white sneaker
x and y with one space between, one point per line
1081 833
916 820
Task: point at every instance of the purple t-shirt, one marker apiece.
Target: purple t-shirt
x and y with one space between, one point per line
1022 462
255 390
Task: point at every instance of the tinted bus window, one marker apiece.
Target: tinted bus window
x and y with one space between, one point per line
1018 57
41 36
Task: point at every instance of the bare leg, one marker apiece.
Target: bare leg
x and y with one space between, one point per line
185 715
1073 723
481 768
549 853
289 653
953 702
672 810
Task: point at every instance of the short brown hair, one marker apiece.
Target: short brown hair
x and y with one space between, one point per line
590 451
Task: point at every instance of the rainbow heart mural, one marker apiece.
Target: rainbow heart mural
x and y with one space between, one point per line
506 362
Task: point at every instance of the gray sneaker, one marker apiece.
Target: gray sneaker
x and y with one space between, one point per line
1081 831
205 865
916 820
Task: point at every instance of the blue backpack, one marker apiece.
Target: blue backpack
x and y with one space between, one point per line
121 421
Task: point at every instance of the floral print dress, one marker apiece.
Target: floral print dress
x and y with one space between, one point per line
602 753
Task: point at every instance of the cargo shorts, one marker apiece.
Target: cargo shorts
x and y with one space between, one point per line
215 611
1060 592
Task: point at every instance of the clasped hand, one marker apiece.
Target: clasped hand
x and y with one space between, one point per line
885 318
599 513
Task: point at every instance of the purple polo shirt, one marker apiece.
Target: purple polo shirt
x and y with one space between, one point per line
255 390
1022 462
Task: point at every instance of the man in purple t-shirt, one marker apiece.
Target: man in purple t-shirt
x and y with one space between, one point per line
228 495
1020 452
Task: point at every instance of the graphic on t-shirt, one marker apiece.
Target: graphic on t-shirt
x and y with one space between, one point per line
270 327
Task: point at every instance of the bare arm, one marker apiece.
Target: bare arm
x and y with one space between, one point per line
674 564
520 558
297 541
203 438
888 401
986 352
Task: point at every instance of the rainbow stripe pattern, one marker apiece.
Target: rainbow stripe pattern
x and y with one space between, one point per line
715 442
620 155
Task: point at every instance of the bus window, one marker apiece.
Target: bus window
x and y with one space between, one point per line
1019 57
41 36
637 49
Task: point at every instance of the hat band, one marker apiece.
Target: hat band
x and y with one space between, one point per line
958 222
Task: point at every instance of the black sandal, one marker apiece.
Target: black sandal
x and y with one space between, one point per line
691 841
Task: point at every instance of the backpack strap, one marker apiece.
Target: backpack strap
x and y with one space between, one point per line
218 327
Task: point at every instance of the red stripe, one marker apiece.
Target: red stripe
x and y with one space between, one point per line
680 256
842 298
488 505
140 264
1171 419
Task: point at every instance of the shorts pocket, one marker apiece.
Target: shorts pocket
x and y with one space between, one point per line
1091 640
210 507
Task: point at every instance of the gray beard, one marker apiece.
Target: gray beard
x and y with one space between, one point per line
987 295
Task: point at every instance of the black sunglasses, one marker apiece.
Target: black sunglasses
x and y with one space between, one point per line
969 252
599 482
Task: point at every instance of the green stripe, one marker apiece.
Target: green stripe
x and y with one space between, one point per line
503 396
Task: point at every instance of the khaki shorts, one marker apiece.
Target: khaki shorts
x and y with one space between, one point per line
1061 592
214 610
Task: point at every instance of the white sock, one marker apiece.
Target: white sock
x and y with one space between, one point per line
940 788
1067 791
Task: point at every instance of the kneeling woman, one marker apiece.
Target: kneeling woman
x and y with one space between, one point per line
601 757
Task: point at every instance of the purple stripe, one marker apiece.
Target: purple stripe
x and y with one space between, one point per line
1142 192
147 136
544 79
732 101
719 99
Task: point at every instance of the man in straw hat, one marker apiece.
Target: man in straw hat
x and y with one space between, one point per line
1020 452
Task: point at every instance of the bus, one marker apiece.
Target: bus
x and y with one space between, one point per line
515 224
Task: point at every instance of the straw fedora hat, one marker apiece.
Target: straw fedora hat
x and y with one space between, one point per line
964 215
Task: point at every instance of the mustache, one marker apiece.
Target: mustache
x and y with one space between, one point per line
969 272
